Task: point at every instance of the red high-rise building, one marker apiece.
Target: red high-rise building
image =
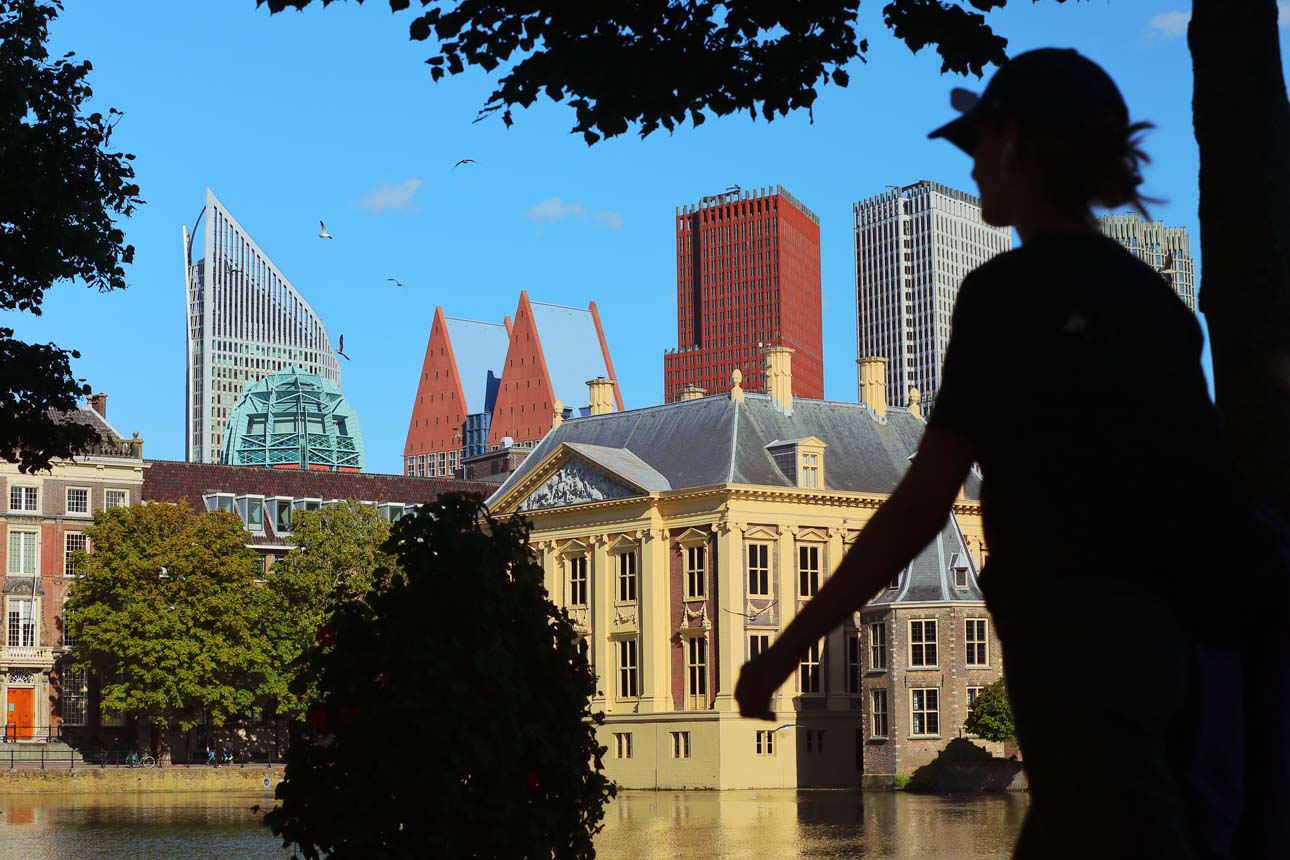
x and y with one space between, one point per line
747 275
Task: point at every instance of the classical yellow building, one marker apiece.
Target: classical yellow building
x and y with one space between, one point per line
682 538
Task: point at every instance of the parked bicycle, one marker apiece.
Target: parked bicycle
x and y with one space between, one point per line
134 759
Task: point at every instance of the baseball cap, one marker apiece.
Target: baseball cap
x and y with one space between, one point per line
1056 88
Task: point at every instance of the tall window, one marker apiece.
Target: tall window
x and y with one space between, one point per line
116 499
680 744
975 642
810 471
578 580
878 646
972 693
78 501
759 569
255 514
73 691
696 571
854 667
878 713
808 570
758 644
924 712
696 665
22 552
282 520
622 744
815 741
626 577
765 742
74 542
22 499
627 677
22 627
922 643
809 670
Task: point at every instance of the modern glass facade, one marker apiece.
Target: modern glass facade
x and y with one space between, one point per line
245 321
294 420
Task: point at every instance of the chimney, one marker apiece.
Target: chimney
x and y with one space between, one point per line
557 415
873 384
736 389
98 402
914 397
693 392
602 395
779 376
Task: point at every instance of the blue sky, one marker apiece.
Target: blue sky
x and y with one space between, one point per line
331 114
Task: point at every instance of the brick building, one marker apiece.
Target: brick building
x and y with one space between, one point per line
43 519
683 538
483 384
747 274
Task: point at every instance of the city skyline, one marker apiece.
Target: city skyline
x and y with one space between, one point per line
572 223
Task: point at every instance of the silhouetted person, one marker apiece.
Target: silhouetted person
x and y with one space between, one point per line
1111 511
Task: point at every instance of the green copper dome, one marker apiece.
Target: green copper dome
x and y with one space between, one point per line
294 420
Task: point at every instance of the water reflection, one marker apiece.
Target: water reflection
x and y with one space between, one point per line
738 825
808 824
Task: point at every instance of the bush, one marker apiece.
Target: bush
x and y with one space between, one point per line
453 717
990 716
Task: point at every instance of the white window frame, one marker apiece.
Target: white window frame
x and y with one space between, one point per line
759 575
21 493
855 662
26 635
765 742
214 502
579 580
117 493
628 659
696 574
810 470
975 646
920 643
878 646
810 671
810 569
273 508
74 696
245 504
680 744
696 672
622 744
89 502
11 556
879 713
626 579
68 551
758 644
928 706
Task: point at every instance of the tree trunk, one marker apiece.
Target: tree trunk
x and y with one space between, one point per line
1242 122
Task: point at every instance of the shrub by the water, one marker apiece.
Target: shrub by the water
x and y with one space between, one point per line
453 718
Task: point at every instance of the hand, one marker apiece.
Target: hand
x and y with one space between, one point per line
757 682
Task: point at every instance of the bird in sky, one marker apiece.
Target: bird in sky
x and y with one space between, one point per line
752 616
322 231
463 161
395 281
340 350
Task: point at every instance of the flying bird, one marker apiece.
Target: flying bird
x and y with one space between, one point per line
1168 267
752 616
395 281
322 231
340 350
463 161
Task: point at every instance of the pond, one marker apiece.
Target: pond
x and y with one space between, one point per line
646 825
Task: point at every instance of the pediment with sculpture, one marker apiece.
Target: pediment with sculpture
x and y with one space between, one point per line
576 483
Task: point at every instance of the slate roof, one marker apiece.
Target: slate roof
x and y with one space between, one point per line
930 577
715 440
477 347
571 349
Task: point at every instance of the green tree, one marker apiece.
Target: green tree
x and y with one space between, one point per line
60 187
159 614
454 717
990 715
338 558
658 63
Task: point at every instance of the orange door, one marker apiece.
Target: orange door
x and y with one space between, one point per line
22 711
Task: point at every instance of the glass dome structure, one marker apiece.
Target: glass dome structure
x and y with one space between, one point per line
294 420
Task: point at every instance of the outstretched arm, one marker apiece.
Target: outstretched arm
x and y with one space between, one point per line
905 523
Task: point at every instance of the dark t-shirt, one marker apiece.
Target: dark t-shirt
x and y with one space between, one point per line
1074 370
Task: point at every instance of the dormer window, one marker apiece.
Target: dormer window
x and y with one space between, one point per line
801 461
251 510
959 569
810 471
391 511
307 504
219 502
280 514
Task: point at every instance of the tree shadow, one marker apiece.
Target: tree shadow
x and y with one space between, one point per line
963 767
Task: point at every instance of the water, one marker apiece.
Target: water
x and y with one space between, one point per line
645 825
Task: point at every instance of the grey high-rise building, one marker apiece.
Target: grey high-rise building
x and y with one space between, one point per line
245 321
913 246
1155 244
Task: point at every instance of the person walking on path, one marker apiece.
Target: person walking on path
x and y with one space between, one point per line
1111 508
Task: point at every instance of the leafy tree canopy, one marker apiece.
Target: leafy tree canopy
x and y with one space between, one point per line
60 188
656 62
338 558
990 716
453 719
159 613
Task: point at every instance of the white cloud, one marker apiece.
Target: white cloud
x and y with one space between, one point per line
553 209
389 196
1169 25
